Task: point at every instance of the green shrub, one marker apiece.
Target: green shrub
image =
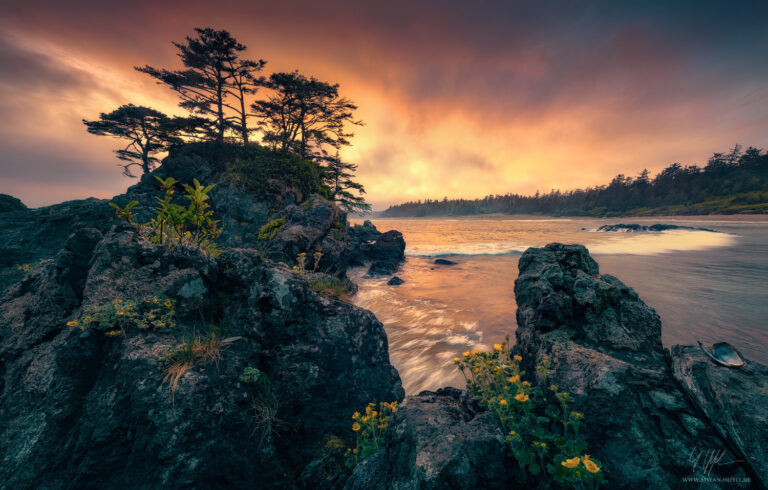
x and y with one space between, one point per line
267 174
329 284
175 224
369 428
264 403
541 429
270 230
119 315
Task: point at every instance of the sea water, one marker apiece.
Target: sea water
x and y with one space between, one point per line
707 285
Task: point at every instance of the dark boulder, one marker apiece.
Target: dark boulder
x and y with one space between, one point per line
395 281
445 262
604 346
653 228
387 252
9 204
734 401
82 410
437 440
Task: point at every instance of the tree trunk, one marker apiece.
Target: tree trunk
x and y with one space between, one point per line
220 107
244 122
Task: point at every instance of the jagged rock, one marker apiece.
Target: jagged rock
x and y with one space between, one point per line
387 252
437 440
604 345
9 204
314 225
734 401
395 281
37 234
445 262
82 410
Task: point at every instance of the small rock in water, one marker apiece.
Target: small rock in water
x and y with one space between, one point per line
395 281
445 262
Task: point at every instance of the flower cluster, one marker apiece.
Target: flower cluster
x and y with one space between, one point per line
369 428
541 429
115 317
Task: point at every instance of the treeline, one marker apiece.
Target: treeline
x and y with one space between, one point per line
229 101
732 182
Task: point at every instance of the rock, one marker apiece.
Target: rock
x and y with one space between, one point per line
9 204
387 252
657 227
395 281
437 440
734 402
445 262
604 346
85 410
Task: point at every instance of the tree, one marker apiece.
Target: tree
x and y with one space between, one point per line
147 130
213 73
304 115
244 82
338 176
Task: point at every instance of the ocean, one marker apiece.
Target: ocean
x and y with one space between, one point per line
706 285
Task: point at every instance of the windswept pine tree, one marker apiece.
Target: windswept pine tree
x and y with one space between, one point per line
213 76
338 176
147 131
304 115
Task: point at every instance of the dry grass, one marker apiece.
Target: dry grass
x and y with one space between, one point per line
196 351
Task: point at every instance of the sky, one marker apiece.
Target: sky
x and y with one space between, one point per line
459 98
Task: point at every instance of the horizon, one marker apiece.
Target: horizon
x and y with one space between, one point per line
468 101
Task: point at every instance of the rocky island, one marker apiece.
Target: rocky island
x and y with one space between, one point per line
252 377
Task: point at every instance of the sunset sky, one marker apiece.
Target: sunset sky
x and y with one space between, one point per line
460 98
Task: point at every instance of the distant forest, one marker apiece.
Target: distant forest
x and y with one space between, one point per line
730 183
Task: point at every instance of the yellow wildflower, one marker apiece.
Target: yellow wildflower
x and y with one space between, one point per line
456 359
590 465
120 313
518 358
503 403
354 451
355 427
513 379
168 303
526 383
73 323
497 347
571 463
466 354
553 388
356 415
476 351
112 333
521 397
154 300
374 413
577 416
476 370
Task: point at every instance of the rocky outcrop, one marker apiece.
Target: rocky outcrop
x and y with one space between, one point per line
657 227
9 204
445 262
734 401
395 281
437 440
604 345
83 410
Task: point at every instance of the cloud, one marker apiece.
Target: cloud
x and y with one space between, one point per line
460 98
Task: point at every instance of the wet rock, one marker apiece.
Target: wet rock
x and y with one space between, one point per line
734 402
85 410
437 440
395 281
445 262
386 252
604 346
641 228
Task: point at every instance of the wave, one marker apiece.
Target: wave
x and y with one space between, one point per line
488 248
